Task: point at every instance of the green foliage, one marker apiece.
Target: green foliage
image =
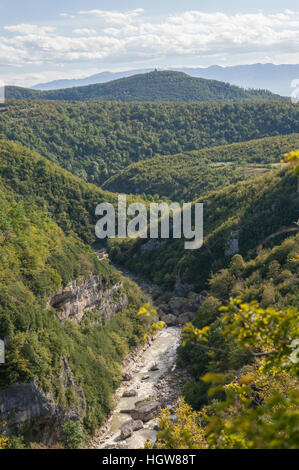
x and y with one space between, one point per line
4 440
96 140
253 210
70 201
185 433
37 259
261 404
192 174
73 437
149 312
153 86
273 334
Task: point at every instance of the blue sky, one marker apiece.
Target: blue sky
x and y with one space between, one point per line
46 40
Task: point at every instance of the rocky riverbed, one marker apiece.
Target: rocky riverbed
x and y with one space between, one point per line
151 382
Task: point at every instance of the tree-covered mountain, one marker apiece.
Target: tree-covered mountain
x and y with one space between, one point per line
70 200
271 278
75 364
154 86
96 140
101 77
238 217
276 78
46 216
187 176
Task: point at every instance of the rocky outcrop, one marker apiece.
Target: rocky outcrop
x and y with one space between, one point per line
79 297
127 377
130 427
169 320
146 412
26 403
181 310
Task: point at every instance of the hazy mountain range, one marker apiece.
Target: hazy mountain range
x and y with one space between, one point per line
276 78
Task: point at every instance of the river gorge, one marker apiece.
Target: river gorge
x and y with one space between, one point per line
149 375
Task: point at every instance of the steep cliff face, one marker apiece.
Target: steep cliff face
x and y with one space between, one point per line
79 297
26 404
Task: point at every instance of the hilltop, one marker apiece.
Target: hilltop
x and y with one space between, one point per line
165 86
276 78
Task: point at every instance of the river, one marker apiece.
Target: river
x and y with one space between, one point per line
162 353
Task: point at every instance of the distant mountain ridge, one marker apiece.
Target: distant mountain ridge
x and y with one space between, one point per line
167 86
102 77
276 78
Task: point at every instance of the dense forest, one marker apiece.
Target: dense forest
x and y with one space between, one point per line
153 86
249 211
242 352
96 140
59 159
187 176
70 200
271 278
38 258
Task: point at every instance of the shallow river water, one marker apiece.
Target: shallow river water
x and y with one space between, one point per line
162 352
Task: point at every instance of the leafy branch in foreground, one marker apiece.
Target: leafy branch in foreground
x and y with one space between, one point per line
260 409
292 159
3 436
148 311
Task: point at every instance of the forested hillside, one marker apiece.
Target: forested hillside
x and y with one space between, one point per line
248 212
70 200
271 278
243 358
189 175
153 86
96 140
37 260
58 161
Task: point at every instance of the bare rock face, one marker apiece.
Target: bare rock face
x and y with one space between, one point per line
77 298
25 403
146 412
164 308
126 431
182 290
138 424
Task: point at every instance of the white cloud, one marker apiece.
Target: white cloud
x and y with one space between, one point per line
115 17
29 29
66 15
191 34
85 31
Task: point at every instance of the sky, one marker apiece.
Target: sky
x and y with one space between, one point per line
46 40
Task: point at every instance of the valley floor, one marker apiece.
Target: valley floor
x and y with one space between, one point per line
153 385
